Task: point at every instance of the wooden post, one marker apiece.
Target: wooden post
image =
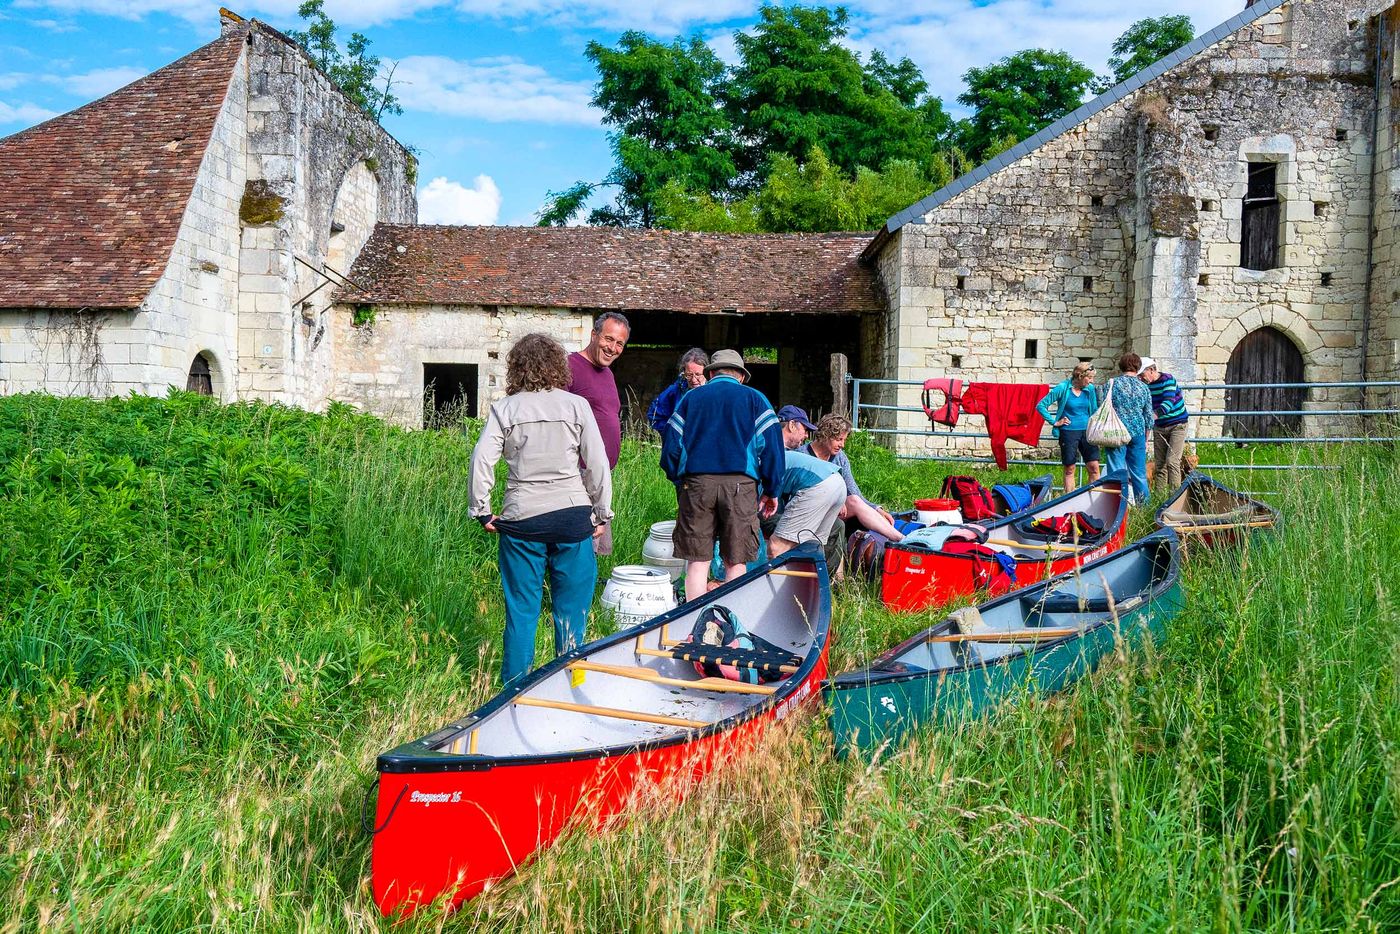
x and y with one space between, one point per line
840 401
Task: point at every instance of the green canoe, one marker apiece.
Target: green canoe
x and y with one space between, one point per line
1042 638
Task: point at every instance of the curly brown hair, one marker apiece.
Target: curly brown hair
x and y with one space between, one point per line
831 426
537 362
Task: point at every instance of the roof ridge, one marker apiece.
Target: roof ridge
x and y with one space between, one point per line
1074 118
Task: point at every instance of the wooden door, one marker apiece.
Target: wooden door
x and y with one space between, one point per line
1264 356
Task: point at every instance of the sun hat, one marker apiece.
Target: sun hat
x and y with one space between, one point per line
726 360
1147 364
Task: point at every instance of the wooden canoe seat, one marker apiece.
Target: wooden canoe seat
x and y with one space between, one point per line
612 712
781 663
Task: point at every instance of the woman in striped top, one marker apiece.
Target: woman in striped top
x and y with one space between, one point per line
1169 432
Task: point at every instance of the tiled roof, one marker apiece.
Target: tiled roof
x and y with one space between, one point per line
1073 119
93 199
615 268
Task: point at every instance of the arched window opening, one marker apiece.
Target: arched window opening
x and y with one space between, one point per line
1268 357
201 378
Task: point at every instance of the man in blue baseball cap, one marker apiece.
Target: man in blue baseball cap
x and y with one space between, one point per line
796 426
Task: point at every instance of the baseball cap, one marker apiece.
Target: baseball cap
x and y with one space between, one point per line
791 413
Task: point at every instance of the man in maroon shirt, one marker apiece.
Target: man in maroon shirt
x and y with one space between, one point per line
593 380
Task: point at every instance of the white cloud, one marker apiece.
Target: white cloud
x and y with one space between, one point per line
947 37
53 25
24 113
496 89
14 79
100 81
668 17
445 202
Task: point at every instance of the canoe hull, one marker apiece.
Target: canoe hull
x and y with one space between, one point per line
454 833
913 579
1194 512
871 717
453 815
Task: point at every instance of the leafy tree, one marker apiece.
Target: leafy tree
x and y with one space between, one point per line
810 196
355 71
796 87
1015 97
670 127
1145 42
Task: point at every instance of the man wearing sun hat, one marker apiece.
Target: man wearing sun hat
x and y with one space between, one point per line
723 449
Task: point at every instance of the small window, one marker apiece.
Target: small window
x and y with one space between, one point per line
1208 205
1032 349
1203 279
957 360
1096 200
1211 131
1341 134
493 355
1088 283
1352 24
1320 208
962 282
1326 279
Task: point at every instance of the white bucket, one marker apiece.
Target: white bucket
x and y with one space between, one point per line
951 516
635 593
658 551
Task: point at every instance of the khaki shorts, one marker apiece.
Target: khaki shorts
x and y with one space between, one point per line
809 515
712 506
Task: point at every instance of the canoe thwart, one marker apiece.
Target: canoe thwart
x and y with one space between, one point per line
1010 635
783 573
612 712
656 677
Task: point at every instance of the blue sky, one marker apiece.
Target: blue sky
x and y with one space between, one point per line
496 92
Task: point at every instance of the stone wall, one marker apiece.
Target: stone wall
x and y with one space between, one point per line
1383 336
379 365
309 148
1124 231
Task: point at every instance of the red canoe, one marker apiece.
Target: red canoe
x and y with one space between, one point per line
470 803
915 578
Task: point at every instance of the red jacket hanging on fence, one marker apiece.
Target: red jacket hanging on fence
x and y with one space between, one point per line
1009 409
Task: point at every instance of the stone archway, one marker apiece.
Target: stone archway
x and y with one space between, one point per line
1265 355
202 375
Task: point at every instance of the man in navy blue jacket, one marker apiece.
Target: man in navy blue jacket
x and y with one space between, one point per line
723 449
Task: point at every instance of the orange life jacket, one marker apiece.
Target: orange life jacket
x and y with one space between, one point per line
948 412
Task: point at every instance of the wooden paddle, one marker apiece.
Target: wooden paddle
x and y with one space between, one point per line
1075 549
1012 635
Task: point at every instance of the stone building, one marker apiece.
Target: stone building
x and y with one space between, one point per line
1230 211
438 307
1221 211
189 228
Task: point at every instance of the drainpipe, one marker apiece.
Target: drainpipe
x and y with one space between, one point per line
1371 212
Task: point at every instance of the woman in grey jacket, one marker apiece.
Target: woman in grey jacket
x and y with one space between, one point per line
558 497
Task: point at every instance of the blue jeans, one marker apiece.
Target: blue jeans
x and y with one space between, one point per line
573 570
1132 457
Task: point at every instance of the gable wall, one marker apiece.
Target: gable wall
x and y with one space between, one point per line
188 311
1024 238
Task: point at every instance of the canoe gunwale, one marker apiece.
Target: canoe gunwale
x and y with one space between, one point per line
1197 478
863 678
418 756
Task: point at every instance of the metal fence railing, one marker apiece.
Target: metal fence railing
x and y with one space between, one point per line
1208 406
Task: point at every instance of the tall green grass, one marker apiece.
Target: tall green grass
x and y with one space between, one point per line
213 618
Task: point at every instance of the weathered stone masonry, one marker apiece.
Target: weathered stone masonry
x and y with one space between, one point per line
1124 230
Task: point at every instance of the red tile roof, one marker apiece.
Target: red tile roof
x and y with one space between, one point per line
615 268
93 199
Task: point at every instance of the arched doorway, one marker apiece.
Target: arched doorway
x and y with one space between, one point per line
201 378
1264 356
